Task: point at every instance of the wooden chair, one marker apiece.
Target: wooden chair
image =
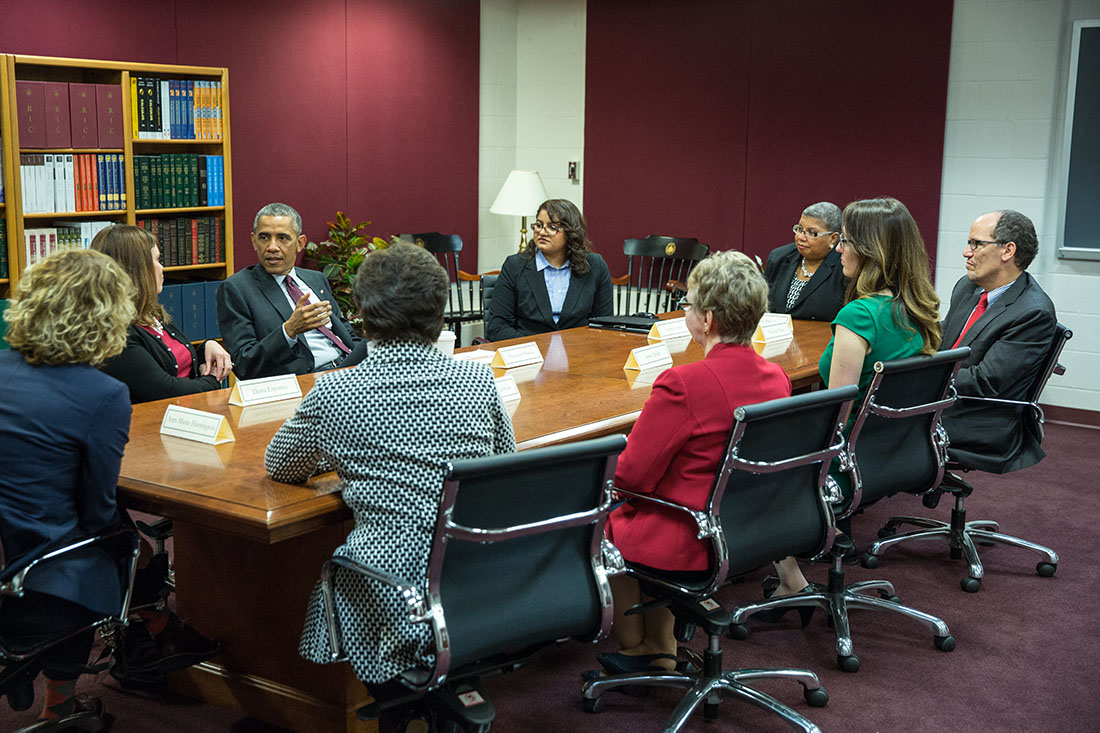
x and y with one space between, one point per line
463 300
657 270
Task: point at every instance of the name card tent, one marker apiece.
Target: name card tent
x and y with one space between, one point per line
203 427
266 389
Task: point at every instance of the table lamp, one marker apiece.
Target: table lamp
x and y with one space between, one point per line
520 195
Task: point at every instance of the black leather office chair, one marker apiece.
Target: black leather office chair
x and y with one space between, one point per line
515 565
959 533
20 661
896 445
488 283
657 270
766 503
463 303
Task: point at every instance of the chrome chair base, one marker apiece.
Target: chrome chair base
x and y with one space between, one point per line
961 536
838 599
707 686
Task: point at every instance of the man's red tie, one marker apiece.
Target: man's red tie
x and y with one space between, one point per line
296 295
979 309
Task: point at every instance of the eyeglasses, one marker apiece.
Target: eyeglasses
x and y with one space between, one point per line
844 241
810 233
684 304
975 245
552 227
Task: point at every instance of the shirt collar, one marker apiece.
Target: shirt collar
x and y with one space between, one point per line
541 263
992 295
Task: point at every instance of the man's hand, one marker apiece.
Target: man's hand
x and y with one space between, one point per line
307 316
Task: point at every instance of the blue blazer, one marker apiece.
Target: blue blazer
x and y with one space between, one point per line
520 305
63 430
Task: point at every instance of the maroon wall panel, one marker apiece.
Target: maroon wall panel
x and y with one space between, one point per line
364 106
665 122
413 117
788 102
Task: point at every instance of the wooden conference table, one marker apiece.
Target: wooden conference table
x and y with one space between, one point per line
248 549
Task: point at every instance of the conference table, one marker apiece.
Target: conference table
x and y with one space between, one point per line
248 550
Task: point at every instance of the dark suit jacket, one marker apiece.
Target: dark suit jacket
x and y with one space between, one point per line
823 295
521 305
62 430
1008 345
674 451
252 308
147 367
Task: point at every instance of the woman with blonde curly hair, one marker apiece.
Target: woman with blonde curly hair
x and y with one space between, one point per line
676 446
63 428
891 312
158 360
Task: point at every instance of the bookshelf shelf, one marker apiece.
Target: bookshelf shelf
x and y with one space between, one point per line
115 80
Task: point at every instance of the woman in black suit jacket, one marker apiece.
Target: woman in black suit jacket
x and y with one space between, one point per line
534 294
158 360
804 277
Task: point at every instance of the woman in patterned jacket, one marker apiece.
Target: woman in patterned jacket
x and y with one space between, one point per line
387 426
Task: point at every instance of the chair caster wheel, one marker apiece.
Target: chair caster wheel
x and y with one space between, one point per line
869 561
739 632
848 663
593 705
945 643
970 585
816 698
887 532
1046 569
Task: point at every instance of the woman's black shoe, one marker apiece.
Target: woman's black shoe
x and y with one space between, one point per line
775 615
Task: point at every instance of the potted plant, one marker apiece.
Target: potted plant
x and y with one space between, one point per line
339 257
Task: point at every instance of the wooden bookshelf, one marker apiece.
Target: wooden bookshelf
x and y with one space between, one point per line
44 68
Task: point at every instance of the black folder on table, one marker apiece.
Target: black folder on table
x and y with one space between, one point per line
635 324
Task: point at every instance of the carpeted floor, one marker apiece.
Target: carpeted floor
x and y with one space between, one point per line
1028 656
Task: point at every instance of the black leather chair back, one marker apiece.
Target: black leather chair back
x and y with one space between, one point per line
488 282
516 555
896 443
657 270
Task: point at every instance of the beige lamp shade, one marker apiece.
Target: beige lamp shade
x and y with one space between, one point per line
521 193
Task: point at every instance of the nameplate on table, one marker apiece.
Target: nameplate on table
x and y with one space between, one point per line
246 417
649 357
507 389
266 389
774 327
645 377
676 345
481 356
674 328
518 355
203 427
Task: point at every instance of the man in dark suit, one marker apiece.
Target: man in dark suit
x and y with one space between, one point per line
278 319
1006 319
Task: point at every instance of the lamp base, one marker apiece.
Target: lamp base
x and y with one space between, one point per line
523 234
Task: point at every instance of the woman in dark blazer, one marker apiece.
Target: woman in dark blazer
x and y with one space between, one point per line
158 360
63 428
804 277
557 282
676 446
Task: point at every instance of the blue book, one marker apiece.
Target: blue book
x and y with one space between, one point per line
170 299
212 329
189 109
193 303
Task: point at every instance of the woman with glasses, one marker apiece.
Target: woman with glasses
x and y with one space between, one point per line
804 277
891 312
676 445
556 282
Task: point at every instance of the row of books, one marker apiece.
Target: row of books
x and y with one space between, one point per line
176 109
5 271
72 182
57 114
41 242
193 308
183 241
175 180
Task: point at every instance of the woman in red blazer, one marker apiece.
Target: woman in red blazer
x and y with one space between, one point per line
674 449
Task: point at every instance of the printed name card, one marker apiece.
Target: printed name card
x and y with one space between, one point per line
204 427
518 355
507 388
481 356
268 412
267 389
774 327
649 357
674 328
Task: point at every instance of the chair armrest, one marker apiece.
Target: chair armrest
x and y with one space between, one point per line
463 275
13 586
621 280
708 526
419 610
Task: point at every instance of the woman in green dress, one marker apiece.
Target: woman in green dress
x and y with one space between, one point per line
891 311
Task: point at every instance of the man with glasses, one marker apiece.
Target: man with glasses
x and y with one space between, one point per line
1006 319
